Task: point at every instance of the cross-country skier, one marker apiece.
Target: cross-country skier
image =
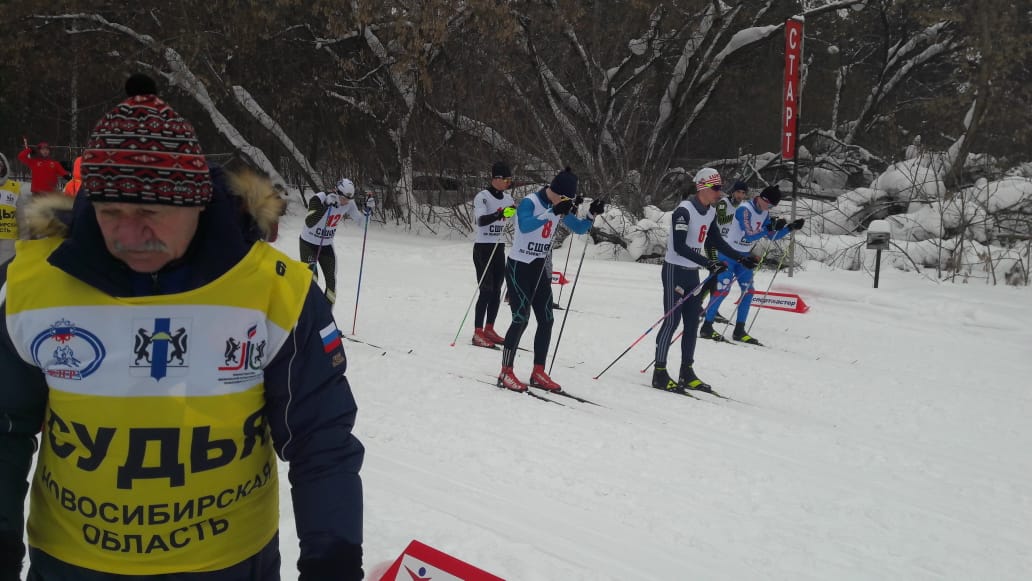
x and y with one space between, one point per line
530 286
325 212
691 228
751 223
491 209
725 208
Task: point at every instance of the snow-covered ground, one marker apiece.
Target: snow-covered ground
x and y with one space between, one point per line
883 435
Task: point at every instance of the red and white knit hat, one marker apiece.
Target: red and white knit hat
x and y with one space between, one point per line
143 152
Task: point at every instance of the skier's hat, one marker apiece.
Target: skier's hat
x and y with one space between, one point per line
708 178
565 183
500 169
772 194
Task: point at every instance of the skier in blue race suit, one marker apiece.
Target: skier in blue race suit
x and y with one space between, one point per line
751 223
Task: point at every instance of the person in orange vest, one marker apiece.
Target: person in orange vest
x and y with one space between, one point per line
72 187
45 170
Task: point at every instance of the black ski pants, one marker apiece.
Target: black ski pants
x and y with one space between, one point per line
489 260
529 288
677 282
327 260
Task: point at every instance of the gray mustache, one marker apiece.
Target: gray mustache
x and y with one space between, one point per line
149 246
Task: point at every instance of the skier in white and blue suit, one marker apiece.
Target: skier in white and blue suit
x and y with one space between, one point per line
752 223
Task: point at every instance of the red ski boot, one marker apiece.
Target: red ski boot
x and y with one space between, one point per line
508 380
489 332
482 340
541 380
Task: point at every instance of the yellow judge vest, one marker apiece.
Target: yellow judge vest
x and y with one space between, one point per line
9 192
156 455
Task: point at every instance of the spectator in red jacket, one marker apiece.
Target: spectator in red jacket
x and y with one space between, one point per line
45 170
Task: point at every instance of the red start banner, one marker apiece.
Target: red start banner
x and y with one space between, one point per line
790 103
558 278
778 301
419 562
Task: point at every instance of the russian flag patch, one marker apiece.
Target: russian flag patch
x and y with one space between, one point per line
330 337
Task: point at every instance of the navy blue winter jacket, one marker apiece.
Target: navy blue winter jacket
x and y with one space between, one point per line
324 455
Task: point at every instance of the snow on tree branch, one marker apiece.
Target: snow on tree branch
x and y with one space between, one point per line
487 134
544 128
883 89
677 77
251 106
181 76
361 106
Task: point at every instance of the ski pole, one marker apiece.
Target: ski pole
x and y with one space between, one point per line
695 291
672 341
776 271
361 264
566 267
681 332
569 301
739 305
487 268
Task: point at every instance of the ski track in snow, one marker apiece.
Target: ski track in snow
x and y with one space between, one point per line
882 435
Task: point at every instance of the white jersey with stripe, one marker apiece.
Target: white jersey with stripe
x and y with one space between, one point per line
529 246
687 218
485 204
748 222
322 233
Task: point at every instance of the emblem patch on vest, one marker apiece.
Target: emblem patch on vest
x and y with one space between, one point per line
244 356
160 347
66 351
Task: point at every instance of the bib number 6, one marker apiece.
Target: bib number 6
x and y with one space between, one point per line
546 231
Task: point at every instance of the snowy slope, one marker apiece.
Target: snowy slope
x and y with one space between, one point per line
884 435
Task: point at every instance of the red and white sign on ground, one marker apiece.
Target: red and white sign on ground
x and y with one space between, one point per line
558 278
419 562
778 301
790 108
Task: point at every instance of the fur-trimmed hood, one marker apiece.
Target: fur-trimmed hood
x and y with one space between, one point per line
260 206
243 210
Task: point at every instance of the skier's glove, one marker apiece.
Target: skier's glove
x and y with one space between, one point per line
597 207
716 267
779 224
563 207
796 225
332 200
750 262
509 212
370 204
